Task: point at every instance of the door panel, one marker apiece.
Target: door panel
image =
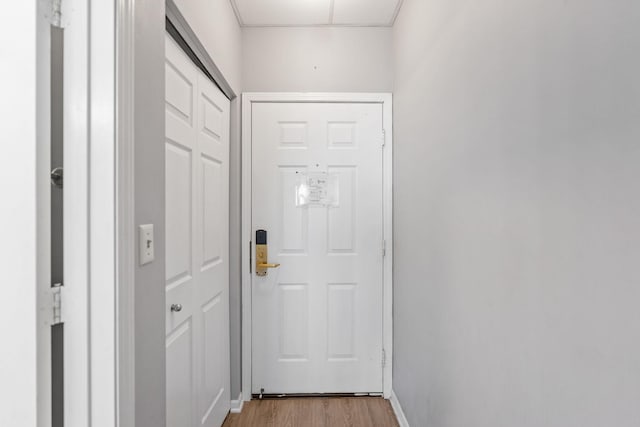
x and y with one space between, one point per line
317 320
180 144
212 249
180 375
179 213
197 146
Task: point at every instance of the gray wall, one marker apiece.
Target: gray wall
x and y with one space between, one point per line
517 163
235 247
217 28
149 208
317 59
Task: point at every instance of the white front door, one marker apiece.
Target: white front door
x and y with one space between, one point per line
197 266
317 191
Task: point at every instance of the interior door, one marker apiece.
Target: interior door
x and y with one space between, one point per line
317 319
197 269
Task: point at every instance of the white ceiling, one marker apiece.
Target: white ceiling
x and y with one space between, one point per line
284 13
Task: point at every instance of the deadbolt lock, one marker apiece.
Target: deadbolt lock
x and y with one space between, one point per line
262 254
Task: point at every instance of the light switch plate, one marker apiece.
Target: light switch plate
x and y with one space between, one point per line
146 243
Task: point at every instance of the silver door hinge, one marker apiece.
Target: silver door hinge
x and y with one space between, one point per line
384 248
384 137
56 13
384 358
56 295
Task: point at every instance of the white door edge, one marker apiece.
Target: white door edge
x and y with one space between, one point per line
89 304
248 99
102 216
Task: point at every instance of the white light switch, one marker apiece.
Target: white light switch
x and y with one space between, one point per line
145 243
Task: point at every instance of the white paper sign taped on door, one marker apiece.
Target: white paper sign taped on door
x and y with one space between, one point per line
317 189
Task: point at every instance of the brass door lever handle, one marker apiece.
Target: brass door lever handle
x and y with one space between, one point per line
267 265
262 264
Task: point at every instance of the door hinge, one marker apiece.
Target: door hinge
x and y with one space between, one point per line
250 257
384 358
384 248
56 296
384 137
56 13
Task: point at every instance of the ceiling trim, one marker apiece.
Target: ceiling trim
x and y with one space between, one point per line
396 13
236 11
332 7
318 26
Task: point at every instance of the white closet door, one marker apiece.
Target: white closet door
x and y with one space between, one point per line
197 242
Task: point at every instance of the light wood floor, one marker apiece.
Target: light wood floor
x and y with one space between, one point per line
315 412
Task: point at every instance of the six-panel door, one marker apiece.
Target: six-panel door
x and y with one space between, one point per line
317 319
197 268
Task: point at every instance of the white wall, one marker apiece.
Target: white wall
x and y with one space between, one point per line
18 387
317 60
517 163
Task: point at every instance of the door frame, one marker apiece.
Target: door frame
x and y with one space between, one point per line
87 304
386 100
91 287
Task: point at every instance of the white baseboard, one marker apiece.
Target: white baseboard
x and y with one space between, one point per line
395 404
236 405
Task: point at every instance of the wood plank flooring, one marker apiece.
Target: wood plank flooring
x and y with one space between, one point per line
315 412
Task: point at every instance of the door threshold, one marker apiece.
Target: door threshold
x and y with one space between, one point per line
272 396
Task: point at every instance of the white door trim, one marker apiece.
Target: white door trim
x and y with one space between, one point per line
386 100
125 211
102 205
89 292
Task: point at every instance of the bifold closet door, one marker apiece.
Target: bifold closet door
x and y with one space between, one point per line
197 242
